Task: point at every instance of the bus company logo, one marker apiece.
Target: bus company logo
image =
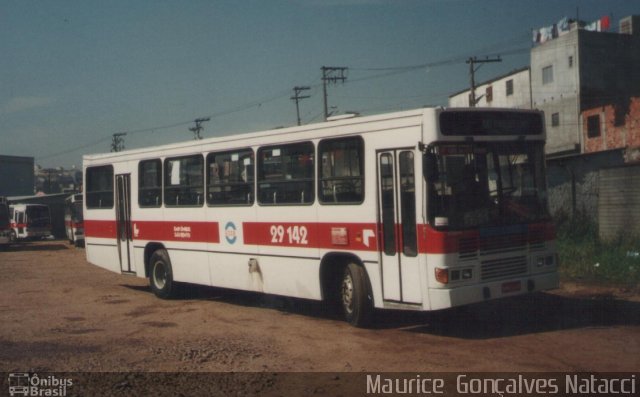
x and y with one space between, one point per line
230 233
182 231
25 384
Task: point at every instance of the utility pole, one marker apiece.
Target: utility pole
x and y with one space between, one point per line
296 97
117 142
472 71
331 74
198 127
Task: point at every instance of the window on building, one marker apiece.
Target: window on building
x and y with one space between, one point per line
341 173
184 181
555 119
571 61
593 126
286 174
488 94
230 178
150 183
547 74
509 87
99 187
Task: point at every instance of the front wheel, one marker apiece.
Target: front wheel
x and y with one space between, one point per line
355 294
161 276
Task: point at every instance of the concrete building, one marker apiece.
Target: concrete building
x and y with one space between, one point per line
580 71
512 90
16 176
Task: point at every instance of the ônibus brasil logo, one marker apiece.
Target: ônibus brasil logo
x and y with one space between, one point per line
25 384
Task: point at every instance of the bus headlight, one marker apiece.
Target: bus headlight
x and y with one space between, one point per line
442 275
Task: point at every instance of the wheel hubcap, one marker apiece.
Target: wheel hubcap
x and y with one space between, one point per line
347 293
159 275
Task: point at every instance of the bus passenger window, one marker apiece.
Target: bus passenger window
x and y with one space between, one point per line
286 174
184 181
150 183
230 178
99 185
341 171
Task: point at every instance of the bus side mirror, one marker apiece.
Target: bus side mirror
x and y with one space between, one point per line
430 166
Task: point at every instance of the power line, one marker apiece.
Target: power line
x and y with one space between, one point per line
198 127
117 143
297 97
331 74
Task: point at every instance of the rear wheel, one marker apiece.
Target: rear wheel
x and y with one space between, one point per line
161 275
355 294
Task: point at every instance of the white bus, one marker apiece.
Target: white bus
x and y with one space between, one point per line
421 210
30 221
5 225
73 219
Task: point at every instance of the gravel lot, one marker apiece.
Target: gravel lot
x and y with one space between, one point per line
61 314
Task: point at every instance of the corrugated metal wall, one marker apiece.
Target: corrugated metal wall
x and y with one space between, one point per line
619 201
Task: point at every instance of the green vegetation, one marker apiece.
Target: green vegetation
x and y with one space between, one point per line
583 256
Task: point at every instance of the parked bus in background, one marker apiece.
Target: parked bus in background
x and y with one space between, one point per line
73 219
5 225
29 221
417 210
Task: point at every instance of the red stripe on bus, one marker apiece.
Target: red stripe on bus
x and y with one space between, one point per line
100 229
199 232
344 236
341 236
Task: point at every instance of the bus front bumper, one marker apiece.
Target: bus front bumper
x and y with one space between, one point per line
451 297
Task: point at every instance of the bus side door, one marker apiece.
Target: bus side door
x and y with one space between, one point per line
123 223
397 224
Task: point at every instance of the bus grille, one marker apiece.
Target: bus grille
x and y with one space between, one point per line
500 244
470 247
467 248
503 267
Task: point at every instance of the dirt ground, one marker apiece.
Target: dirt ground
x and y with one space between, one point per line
59 313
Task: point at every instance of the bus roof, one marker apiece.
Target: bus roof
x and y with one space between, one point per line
415 117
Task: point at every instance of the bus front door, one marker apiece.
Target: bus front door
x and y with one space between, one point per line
397 220
123 222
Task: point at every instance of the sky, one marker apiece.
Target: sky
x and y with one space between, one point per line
74 72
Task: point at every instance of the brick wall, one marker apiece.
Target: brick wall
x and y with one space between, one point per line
616 130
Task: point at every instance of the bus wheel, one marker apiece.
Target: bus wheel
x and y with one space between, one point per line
161 276
355 294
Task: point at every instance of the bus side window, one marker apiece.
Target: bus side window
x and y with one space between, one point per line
286 174
341 171
230 178
184 181
99 187
150 183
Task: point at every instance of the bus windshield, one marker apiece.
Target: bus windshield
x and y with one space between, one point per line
473 185
38 215
76 211
4 215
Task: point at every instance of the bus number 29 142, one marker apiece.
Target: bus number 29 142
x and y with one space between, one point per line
293 235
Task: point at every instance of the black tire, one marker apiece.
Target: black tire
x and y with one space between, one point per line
355 296
161 275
